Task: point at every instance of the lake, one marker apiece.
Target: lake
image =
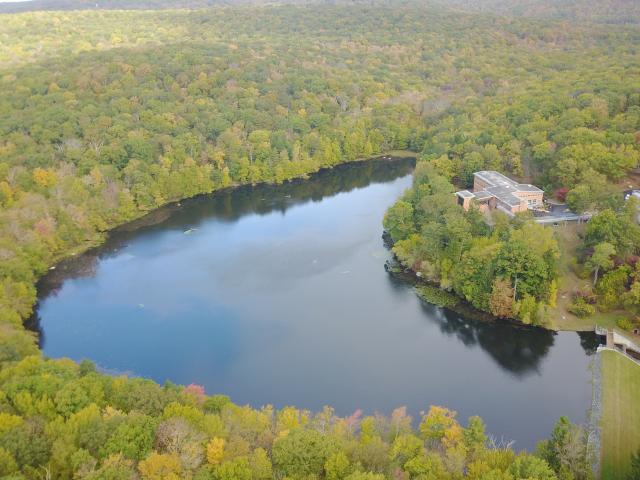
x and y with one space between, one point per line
278 295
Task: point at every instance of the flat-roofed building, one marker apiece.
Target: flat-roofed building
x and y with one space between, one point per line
493 190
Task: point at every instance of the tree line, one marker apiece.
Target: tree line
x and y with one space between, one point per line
63 420
575 133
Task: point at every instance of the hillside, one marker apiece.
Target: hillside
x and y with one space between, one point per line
615 12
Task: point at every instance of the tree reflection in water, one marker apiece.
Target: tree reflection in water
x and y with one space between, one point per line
227 205
518 349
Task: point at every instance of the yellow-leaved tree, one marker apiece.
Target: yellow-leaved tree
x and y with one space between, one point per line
215 450
158 466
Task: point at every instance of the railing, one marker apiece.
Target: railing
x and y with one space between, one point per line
621 344
563 218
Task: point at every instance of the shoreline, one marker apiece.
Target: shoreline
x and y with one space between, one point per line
453 301
154 220
101 238
458 305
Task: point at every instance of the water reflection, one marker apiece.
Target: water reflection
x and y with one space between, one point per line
278 294
227 205
589 341
517 349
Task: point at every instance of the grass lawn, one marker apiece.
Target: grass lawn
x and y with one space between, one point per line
620 422
602 319
568 283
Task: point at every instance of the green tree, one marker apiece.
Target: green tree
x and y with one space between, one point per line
302 452
337 466
612 288
600 259
429 465
398 220
406 447
260 464
475 438
114 467
528 273
235 469
133 438
27 444
8 465
364 476
527 310
567 451
527 467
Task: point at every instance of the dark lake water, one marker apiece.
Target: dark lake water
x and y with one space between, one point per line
279 295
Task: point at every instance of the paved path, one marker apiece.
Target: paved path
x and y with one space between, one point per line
567 217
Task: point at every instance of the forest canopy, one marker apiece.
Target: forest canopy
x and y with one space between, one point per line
106 115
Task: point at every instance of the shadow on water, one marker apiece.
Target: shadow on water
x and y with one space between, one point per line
518 349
